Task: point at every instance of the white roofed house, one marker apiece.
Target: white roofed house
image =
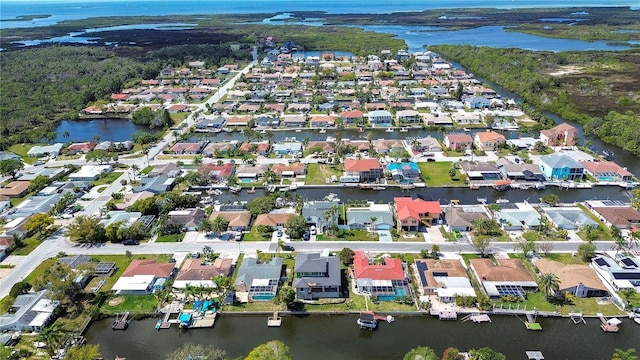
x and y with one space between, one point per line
621 274
446 278
90 172
408 117
30 312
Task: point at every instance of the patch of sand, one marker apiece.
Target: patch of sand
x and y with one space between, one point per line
566 70
116 301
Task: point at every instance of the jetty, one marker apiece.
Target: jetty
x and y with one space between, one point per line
531 323
609 325
534 355
577 317
252 190
367 320
275 320
121 322
477 318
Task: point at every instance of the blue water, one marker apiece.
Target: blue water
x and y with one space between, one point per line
107 129
262 297
61 10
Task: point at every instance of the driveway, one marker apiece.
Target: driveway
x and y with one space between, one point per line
384 236
434 235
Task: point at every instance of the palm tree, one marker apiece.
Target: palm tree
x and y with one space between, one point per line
620 354
145 151
134 169
219 224
627 295
280 245
619 244
52 336
205 226
197 160
548 284
373 223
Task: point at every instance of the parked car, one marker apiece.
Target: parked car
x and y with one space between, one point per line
279 233
238 236
306 236
195 255
131 242
312 231
288 248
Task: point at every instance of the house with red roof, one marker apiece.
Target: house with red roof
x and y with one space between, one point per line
143 277
458 141
488 140
120 97
257 148
366 170
412 214
385 282
606 171
83 147
561 135
352 117
217 173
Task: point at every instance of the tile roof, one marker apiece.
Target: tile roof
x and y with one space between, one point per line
390 270
407 207
504 270
148 267
357 165
571 274
194 269
272 219
599 167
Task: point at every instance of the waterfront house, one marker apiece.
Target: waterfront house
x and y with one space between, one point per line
143 277
385 282
362 218
518 217
169 170
219 149
615 213
256 148
45 150
502 277
196 272
365 170
480 172
462 117
412 214
258 281
477 102
289 170
217 173
426 145
251 173
519 170
606 171
83 147
352 117
561 135
318 276
446 278
296 121
325 147
560 167
488 140
187 219
461 218
267 121
568 218
30 312
408 117
188 148
238 220
405 172
287 148
314 214
380 118
579 280
458 142
238 121
156 185
216 122
322 121
621 274
274 220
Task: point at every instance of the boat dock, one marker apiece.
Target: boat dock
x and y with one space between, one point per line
447 315
121 322
531 323
275 320
609 325
477 318
534 355
577 317
205 321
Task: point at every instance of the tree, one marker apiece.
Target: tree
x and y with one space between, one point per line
421 353
219 225
551 199
629 354
526 246
346 256
452 172
197 160
86 230
628 294
223 284
101 156
635 198
451 354
286 295
587 251
19 288
272 350
546 247
481 244
619 244
261 205
485 353
10 167
40 182
484 226
296 226
193 351
58 279
52 336
83 352
205 225
549 284
37 223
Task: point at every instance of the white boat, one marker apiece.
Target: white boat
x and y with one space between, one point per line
226 129
390 319
322 131
637 320
263 132
389 130
404 129
465 130
217 130
298 130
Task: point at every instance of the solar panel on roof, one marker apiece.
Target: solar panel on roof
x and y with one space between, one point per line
422 267
505 290
626 275
441 273
629 262
601 262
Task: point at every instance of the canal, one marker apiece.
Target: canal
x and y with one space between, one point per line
338 337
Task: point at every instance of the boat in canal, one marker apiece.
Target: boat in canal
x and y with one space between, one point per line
367 321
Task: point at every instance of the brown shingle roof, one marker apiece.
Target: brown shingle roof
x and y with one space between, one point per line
571 274
504 270
148 267
194 269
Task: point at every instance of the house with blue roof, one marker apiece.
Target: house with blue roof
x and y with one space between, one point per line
288 148
523 217
569 218
259 280
362 218
407 171
560 167
477 102
156 185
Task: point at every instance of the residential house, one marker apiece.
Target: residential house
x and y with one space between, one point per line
143 277
238 121
196 272
184 148
289 170
274 220
560 167
156 185
321 146
47 150
322 121
461 218
365 170
33 205
385 282
380 118
606 171
621 274
519 171
561 135
405 172
488 140
217 122
395 147
408 117
615 213
477 102
267 121
83 147
287 148
218 149
6 243
502 277
169 170
295 121
90 172
480 172
569 218
15 189
352 117
521 216
426 145
314 214
34 172
458 142
579 280
412 214
257 148
217 173
131 198
30 312
372 217
318 276
259 280
251 172
187 219
446 278
238 220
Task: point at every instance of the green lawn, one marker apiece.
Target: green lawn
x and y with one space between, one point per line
437 174
108 179
588 305
255 235
351 235
565 258
170 238
21 150
30 245
318 173
134 304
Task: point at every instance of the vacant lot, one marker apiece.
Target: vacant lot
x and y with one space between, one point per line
318 173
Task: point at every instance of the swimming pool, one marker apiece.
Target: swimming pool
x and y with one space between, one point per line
399 292
262 297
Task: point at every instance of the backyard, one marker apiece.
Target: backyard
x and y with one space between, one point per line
437 174
318 173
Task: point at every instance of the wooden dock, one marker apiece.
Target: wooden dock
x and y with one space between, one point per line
609 325
577 317
447 315
275 320
477 318
121 322
206 321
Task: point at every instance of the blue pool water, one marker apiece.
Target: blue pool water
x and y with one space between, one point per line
399 292
262 297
